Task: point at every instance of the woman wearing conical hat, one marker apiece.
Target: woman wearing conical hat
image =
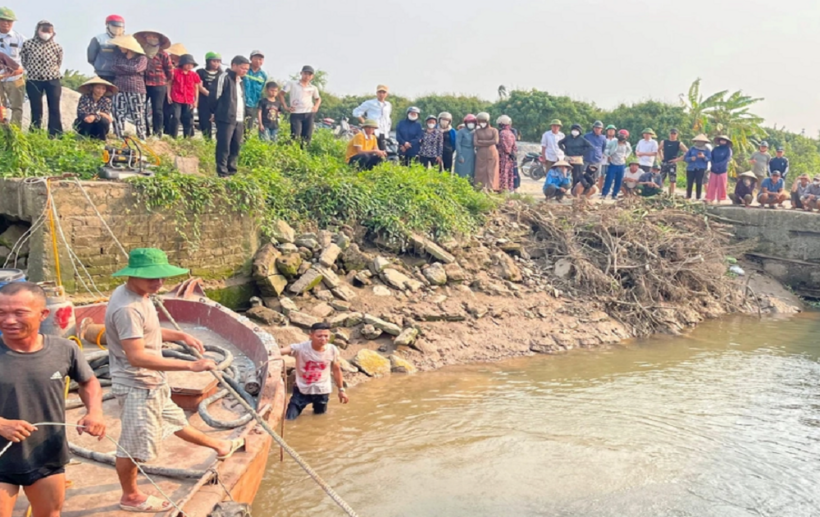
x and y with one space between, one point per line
129 77
697 160
94 111
158 74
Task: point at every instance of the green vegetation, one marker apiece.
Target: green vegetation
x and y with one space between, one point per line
314 186
73 79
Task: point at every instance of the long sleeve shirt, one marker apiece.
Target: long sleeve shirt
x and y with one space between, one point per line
432 144
88 106
557 178
408 131
618 152
42 60
779 164
694 163
160 70
254 83
574 146
721 156
549 144
129 74
595 154
376 110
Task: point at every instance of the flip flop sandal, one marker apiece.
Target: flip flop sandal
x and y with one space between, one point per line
150 505
235 446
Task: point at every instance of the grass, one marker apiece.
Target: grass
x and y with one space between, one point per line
314 187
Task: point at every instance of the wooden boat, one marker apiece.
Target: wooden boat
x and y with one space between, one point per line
93 487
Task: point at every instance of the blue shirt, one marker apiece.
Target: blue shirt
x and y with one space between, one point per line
694 163
596 153
410 131
556 177
721 156
771 186
254 84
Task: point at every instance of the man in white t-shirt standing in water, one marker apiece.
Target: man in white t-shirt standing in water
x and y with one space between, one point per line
316 361
304 103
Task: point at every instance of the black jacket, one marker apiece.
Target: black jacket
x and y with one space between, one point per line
574 145
222 97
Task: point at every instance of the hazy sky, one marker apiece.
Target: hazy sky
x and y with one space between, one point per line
606 52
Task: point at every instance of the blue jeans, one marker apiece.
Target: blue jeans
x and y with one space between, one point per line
298 402
268 134
613 173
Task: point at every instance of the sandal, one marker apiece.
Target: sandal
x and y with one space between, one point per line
150 505
235 446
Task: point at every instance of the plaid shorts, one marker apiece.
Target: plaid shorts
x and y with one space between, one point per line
148 417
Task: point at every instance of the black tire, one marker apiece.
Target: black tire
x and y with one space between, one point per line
537 172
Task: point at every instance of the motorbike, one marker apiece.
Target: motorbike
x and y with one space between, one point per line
391 146
532 167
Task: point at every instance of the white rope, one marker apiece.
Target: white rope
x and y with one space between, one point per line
15 250
63 424
105 224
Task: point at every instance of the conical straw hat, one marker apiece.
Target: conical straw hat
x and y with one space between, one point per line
164 41
88 85
177 49
701 138
128 42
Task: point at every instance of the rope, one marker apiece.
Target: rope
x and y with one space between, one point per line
63 424
52 215
287 448
98 340
105 224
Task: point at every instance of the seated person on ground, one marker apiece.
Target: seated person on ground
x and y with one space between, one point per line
771 191
363 151
558 182
585 184
632 176
799 191
650 183
744 190
811 196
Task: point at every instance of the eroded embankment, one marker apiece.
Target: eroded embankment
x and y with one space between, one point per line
538 278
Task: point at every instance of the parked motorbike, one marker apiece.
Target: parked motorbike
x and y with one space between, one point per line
531 164
391 146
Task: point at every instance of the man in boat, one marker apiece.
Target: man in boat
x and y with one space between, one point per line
33 371
316 361
138 378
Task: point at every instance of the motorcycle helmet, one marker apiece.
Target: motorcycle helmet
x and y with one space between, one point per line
598 123
483 117
623 134
504 119
445 115
431 117
469 118
413 109
611 126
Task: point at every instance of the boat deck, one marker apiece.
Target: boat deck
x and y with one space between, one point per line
94 489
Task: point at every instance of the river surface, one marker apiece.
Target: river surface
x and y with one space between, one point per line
722 422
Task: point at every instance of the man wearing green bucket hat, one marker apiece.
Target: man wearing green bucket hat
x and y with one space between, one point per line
138 379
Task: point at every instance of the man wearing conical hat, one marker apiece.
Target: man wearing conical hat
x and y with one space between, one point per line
101 52
138 378
159 72
13 85
94 111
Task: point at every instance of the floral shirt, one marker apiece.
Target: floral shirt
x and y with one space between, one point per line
88 106
432 144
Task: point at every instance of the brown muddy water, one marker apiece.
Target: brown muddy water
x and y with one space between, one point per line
723 422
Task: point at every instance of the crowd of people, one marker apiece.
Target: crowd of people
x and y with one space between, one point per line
144 79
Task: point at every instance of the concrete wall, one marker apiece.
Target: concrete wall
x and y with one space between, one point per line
223 250
788 243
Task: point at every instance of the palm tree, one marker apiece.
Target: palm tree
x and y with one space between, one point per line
502 92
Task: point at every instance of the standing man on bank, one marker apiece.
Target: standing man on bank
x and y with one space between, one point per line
33 368
316 361
138 378
254 82
380 110
12 88
101 52
760 162
671 152
227 101
779 163
304 103
647 149
595 154
550 150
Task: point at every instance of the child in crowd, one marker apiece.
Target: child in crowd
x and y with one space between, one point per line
268 111
184 95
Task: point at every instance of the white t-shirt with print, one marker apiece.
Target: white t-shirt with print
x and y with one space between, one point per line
301 97
313 368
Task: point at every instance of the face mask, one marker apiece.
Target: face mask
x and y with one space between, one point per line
816 182
431 125
444 123
470 126
483 124
575 132
45 36
413 116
